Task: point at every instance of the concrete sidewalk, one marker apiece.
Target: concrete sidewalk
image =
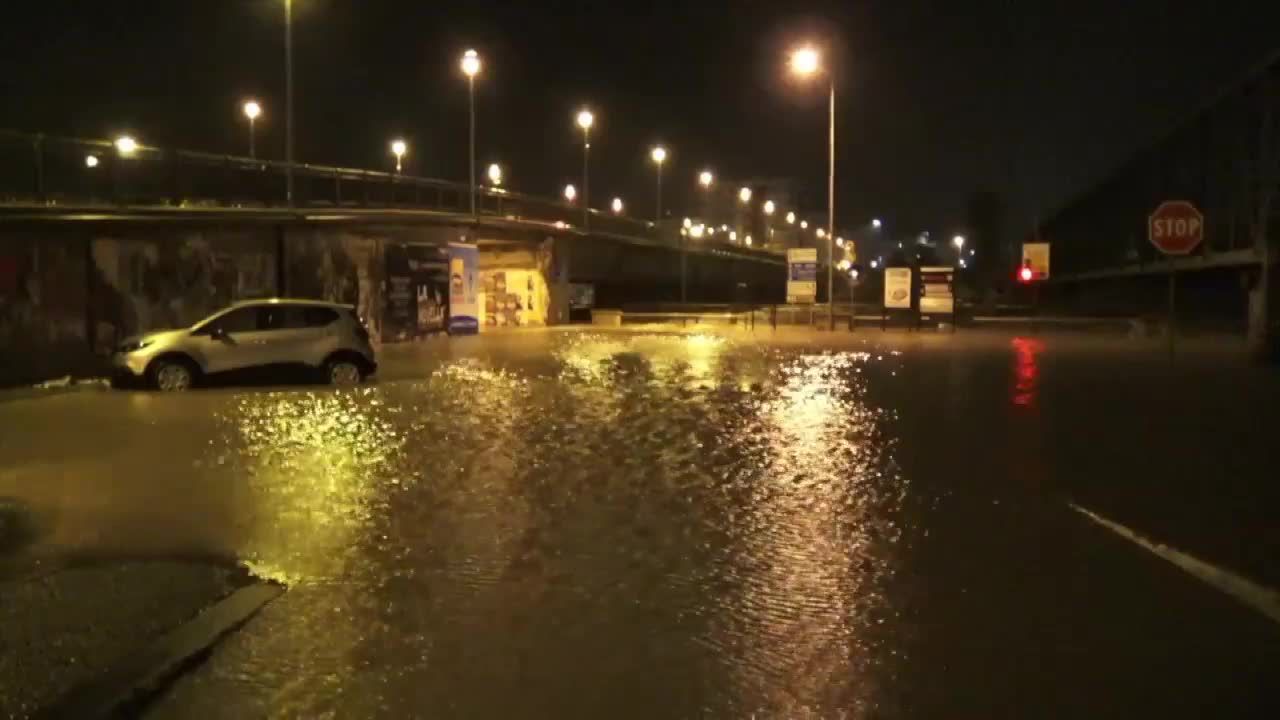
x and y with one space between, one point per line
62 625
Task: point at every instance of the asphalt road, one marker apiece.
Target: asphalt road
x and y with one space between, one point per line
631 524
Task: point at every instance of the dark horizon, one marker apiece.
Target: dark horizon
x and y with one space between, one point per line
1033 104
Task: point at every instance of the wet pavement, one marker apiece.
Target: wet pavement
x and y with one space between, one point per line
633 524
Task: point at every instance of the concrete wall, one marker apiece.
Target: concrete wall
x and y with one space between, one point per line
70 291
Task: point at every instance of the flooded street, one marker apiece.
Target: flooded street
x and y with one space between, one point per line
578 524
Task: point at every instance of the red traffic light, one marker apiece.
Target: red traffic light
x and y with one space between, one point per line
1025 274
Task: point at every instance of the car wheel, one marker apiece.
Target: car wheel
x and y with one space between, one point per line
342 372
172 375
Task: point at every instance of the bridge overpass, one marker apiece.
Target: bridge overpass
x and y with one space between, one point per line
94 250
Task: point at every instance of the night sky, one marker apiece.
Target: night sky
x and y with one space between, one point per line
936 100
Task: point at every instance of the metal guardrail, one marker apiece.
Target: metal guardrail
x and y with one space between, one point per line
51 170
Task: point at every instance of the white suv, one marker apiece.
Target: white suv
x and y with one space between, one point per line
255 333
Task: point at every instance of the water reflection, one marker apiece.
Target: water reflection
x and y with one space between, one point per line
681 525
1026 370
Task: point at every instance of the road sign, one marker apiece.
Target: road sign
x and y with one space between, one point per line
1036 257
802 275
1176 227
897 288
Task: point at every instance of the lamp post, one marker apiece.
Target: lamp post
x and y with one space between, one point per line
805 62
495 174
252 110
705 180
471 67
585 120
288 101
659 155
398 148
617 206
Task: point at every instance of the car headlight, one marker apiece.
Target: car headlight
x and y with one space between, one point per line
133 346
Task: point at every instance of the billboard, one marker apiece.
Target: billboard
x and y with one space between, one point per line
1036 257
464 306
936 290
897 288
802 275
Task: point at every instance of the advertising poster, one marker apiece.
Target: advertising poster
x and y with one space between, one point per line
802 275
897 288
417 291
464 306
936 295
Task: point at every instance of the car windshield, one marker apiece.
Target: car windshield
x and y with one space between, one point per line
711 359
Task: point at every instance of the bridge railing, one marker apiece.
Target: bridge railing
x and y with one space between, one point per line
53 170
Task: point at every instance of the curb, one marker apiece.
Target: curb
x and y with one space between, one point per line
34 392
121 690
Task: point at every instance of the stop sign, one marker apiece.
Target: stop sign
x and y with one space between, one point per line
1176 227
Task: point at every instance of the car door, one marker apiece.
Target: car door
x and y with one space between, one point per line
237 339
299 333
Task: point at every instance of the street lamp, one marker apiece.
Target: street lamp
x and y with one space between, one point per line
91 161
288 101
806 62
958 241
585 121
471 67
705 178
398 148
252 110
839 242
769 207
126 145
791 218
804 224
659 155
747 241
570 192
617 206
875 223
744 195
495 174
820 233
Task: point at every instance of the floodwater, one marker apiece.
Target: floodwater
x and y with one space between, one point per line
676 525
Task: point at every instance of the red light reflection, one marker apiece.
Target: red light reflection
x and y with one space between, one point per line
1026 370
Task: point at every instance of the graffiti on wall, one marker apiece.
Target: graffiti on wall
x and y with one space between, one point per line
339 266
42 291
153 282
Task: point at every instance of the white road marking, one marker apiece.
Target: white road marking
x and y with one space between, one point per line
1258 597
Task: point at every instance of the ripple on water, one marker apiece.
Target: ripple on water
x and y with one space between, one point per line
675 521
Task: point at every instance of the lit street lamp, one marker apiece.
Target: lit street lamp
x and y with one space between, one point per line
806 62
705 178
769 207
495 174
617 206
471 67
570 192
252 110
958 241
744 195
91 161
820 233
791 218
398 148
804 224
126 145
585 121
875 223
659 155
